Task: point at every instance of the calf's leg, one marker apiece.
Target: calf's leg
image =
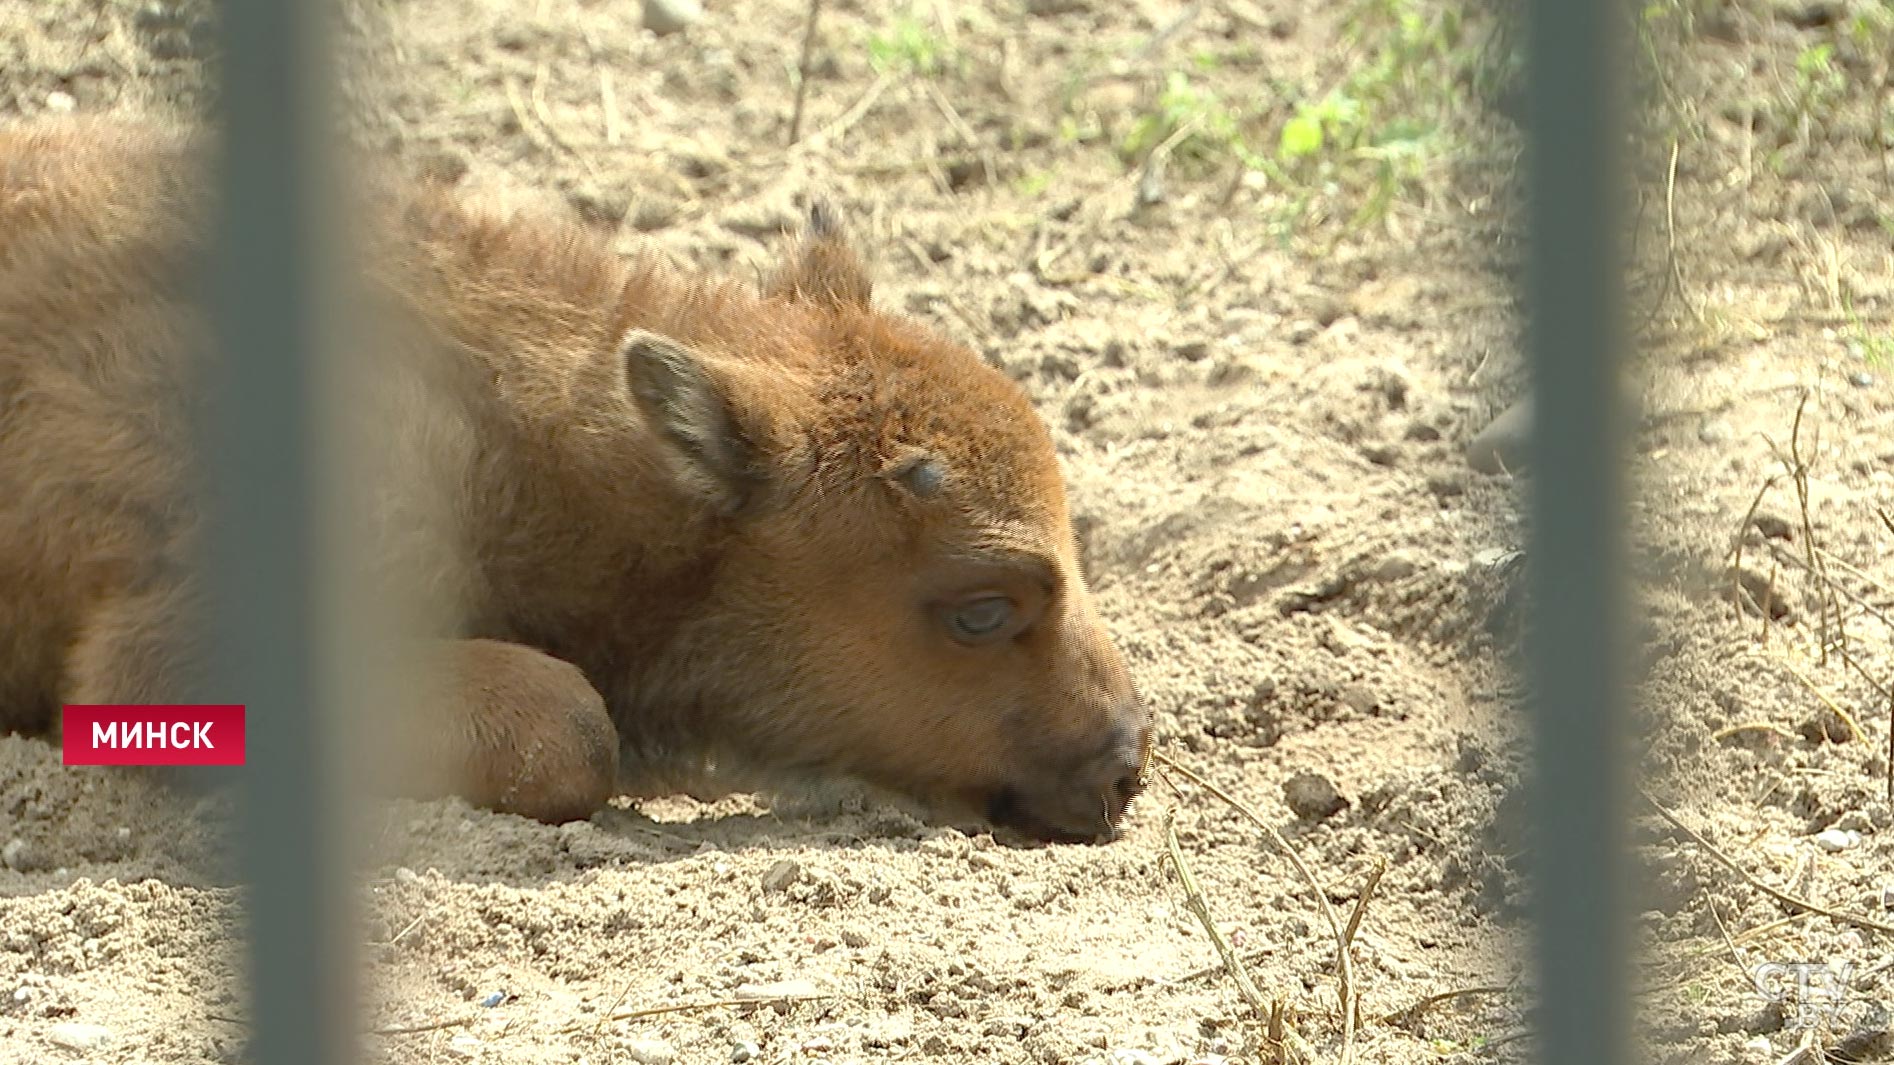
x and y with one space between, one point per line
499 724
511 729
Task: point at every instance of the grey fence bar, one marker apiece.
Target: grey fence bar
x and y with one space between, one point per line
264 452
1576 562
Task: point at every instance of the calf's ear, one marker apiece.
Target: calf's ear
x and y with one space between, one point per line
823 268
692 412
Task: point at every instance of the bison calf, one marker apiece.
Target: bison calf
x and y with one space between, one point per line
678 520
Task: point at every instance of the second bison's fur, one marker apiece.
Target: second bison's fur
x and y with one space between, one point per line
675 517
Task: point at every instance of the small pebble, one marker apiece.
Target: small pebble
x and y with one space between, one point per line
494 999
650 1051
23 857
1360 699
1312 796
664 17
1772 526
650 213
1861 379
1756 590
744 1050
1715 431
1836 839
1470 757
1826 726
1493 557
781 875
1447 484
1151 187
80 1037
61 102
1398 566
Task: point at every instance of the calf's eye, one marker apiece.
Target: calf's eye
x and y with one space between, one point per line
979 620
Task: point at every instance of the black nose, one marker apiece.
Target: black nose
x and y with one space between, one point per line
1118 774
1083 799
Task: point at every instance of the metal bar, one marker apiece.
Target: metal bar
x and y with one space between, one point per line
1575 655
264 452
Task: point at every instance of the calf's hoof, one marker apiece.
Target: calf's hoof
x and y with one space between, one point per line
518 731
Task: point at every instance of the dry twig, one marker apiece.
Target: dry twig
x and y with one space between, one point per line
608 103
846 122
1412 1010
802 70
1854 727
688 1007
1345 969
417 1029
1799 472
1773 892
1195 902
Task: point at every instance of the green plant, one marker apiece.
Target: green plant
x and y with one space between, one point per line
1033 184
909 46
1374 134
1872 25
1356 144
1315 124
1192 119
1818 82
1875 348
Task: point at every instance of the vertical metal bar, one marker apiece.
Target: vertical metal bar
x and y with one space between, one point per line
267 301
1577 559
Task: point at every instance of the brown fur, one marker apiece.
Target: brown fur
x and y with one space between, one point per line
746 517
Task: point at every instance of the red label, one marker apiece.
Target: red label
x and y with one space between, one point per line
153 735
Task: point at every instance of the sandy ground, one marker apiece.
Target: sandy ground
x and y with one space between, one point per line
1262 371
